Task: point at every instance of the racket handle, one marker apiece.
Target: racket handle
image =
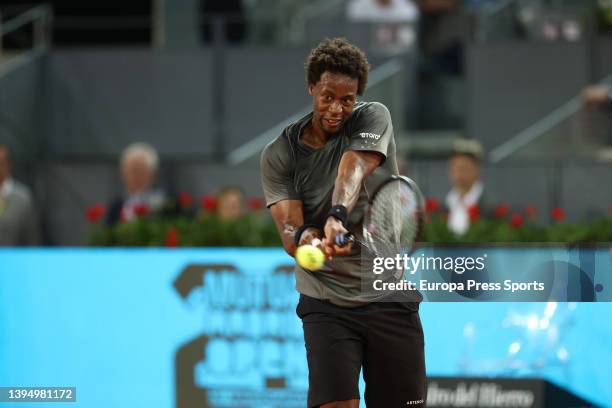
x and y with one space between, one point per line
344 239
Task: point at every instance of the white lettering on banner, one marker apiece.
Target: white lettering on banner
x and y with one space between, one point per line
484 394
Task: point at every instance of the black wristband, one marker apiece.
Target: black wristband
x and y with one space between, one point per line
339 212
298 234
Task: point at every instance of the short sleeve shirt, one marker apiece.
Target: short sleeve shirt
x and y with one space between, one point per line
291 170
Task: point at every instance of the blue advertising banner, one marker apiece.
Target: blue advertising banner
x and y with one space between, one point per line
217 328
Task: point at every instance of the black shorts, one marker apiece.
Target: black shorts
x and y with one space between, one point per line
386 339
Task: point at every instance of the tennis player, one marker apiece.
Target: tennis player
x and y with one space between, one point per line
313 177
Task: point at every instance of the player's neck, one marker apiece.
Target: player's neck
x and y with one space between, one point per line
314 137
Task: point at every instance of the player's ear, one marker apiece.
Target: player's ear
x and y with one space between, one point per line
310 89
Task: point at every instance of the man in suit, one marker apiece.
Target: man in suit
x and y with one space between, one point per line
139 165
18 221
465 196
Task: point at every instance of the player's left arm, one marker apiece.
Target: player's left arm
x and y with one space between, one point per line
354 168
370 135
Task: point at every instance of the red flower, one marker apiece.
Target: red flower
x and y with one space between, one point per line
531 211
185 200
516 220
141 210
95 212
255 203
557 214
209 203
474 212
501 210
431 205
172 238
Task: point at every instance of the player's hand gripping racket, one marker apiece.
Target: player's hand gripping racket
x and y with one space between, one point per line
393 220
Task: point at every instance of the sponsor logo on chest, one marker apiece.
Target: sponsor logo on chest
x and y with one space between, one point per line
373 136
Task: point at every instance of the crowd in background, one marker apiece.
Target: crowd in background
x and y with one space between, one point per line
142 196
440 39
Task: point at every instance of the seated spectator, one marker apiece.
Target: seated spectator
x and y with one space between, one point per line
597 94
382 11
18 220
466 195
230 203
393 22
139 165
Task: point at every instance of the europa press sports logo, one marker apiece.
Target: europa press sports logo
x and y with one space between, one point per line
373 136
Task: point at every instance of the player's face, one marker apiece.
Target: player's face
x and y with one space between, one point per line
333 99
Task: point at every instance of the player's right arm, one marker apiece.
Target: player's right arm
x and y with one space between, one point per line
288 217
281 198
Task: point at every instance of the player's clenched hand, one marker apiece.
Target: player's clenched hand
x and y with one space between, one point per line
333 228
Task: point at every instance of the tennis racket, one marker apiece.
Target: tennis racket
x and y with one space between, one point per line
393 220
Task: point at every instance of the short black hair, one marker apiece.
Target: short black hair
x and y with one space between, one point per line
337 55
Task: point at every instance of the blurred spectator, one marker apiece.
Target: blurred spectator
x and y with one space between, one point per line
229 14
393 23
382 11
464 201
18 220
230 203
139 165
597 94
444 30
600 95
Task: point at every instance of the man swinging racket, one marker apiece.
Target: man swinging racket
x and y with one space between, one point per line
313 177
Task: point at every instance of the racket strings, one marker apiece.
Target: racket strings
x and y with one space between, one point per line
392 222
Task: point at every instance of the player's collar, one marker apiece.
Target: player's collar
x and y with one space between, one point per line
453 199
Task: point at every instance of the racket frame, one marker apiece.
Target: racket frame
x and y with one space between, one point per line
342 240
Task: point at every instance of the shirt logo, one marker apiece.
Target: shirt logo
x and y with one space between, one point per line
369 136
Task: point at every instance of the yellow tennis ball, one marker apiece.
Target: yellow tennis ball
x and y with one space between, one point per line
309 257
